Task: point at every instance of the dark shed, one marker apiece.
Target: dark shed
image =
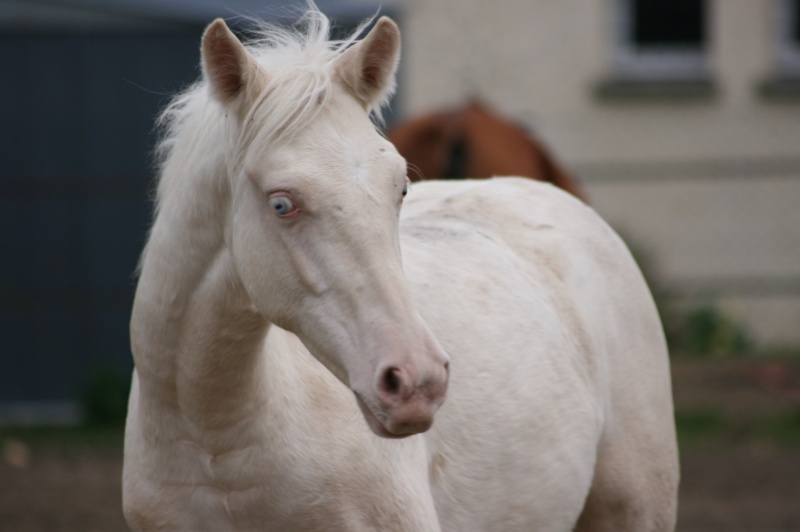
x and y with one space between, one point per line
81 84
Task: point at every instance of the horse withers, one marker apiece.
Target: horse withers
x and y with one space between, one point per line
317 347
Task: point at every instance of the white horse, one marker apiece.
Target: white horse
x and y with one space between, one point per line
294 329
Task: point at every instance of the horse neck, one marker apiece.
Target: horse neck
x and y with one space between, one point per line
195 337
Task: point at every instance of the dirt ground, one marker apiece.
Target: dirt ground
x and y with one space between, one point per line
739 428
738 474
62 492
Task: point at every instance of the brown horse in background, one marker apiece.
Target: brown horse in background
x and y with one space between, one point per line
473 141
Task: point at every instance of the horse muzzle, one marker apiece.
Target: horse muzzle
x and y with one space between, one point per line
404 401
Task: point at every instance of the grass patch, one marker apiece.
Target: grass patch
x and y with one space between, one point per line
782 429
68 440
700 427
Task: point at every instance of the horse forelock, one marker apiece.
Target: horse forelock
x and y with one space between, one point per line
299 83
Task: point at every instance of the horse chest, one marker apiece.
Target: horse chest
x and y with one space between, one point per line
251 488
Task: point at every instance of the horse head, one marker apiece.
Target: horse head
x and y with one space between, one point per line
316 193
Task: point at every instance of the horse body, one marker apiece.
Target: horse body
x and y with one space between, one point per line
474 141
578 355
288 364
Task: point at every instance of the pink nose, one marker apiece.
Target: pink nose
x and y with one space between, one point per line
408 398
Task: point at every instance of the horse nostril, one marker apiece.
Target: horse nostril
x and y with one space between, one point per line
391 383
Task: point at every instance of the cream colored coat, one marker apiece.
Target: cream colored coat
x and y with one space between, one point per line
509 296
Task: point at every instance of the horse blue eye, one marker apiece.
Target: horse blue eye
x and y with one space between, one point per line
282 206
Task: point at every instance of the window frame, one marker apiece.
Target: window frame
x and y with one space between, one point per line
656 63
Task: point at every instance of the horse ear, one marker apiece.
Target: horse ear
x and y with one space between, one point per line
228 66
368 67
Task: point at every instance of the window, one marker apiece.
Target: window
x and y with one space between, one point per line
784 82
662 40
789 37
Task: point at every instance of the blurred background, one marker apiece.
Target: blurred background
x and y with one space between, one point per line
680 118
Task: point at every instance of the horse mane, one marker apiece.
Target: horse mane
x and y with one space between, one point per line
194 126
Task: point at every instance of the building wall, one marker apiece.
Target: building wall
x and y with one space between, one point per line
708 186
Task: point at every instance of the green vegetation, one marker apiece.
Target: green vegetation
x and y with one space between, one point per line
104 402
65 440
698 427
706 331
105 397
